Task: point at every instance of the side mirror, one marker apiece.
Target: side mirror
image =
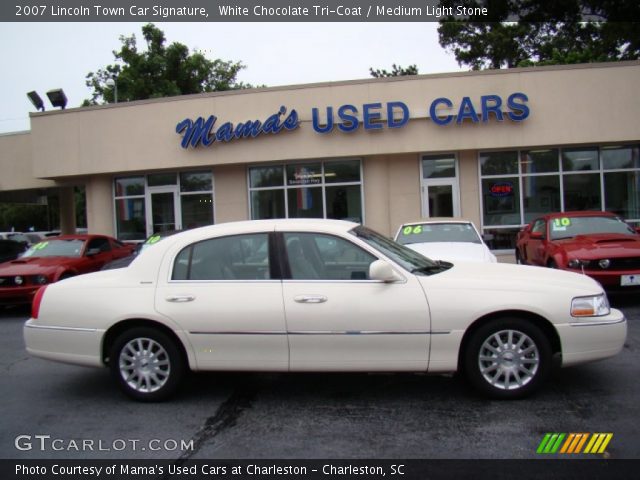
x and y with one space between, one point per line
382 271
93 251
536 235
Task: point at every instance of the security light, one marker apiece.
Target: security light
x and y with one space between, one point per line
36 100
57 98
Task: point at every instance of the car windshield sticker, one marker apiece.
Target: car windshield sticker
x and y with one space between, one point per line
412 230
40 245
153 240
561 224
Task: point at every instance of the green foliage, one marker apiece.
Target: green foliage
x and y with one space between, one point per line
397 71
538 32
160 71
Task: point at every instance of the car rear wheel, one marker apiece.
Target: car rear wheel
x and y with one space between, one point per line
508 358
147 364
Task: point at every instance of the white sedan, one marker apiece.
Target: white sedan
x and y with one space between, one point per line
447 239
319 295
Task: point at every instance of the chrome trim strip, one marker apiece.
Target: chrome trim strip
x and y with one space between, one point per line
49 327
597 324
325 332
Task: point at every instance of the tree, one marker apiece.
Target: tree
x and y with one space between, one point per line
397 71
538 32
160 71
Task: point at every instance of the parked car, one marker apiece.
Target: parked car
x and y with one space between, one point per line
598 244
10 249
446 239
327 295
55 259
140 247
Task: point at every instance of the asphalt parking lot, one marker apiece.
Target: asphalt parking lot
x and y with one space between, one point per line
60 411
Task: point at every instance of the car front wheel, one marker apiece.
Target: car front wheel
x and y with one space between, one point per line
508 358
147 364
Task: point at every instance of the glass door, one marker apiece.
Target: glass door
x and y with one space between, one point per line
163 210
440 193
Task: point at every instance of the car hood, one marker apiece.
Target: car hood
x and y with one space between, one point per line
34 265
510 278
601 244
453 251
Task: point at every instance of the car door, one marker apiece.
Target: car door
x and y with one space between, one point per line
536 244
227 298
339 319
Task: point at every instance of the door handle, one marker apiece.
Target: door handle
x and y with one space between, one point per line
310 299
180 298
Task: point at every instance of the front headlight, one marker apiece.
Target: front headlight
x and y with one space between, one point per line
40 279
593 306
577 263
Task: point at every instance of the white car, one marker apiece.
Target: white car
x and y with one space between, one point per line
445 239
319 295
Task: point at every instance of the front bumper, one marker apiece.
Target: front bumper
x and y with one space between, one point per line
78 346
18 295
587 340
611 280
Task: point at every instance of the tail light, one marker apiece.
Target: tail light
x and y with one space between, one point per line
37 299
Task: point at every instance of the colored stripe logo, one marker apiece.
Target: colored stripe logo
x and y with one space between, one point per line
573 443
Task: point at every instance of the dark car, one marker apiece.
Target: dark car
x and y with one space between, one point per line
598 244
125 261
56 259
11 249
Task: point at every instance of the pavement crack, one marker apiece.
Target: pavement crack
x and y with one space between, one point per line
9 366
224 418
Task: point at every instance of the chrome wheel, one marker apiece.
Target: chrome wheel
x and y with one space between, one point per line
144 365
508 359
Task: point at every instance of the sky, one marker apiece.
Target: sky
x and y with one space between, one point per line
46 56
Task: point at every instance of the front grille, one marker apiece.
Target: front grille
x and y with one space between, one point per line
629 263
7 282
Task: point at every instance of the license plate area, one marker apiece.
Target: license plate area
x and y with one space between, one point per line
629 280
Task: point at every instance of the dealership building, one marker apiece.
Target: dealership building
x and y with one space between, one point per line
498 147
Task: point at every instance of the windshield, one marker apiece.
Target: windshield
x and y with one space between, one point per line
56 248
403 256
438 232
567 227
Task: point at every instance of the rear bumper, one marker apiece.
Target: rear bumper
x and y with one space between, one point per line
592 339
78 346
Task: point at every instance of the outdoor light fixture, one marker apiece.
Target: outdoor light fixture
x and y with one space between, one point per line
57 98
36 100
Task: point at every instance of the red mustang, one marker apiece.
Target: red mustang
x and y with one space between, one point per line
598 244
55 259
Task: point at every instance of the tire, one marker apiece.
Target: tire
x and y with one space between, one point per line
552 264
507 358
147 364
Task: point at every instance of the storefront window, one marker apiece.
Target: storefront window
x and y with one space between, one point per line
580 160
438 167
499 163
130 218
622 193
158 202
539 161
591 178
331 189
617 158
127 186
501 201
540 195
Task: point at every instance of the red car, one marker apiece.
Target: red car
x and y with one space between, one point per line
598 244
55 259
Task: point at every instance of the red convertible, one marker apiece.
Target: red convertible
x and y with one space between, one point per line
56 259
598 244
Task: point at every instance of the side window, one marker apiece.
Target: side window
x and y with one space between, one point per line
314 256
238 257
101 243
539 227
